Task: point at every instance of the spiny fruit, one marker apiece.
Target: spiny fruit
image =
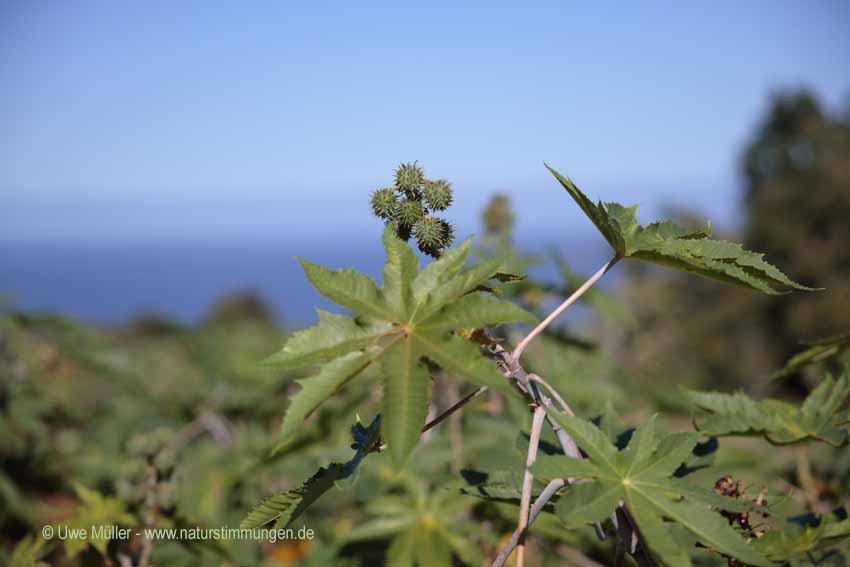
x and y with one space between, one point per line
448 233
384 203
431 234
409 178
438 194
407 208
409 212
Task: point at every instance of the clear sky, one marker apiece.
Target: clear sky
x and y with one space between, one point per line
197 119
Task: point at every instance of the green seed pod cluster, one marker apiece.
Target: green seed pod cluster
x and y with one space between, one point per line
408 208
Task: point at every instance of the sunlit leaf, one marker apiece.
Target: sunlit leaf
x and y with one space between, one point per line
820 417
413 316
670 245
642 475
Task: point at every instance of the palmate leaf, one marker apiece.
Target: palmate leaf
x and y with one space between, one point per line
643 476
413 316
820 416
671 245
285 507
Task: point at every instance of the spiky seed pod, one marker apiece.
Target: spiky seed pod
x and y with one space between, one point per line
409 178
384 203
409 212
448 233
430 250
430 235
438 194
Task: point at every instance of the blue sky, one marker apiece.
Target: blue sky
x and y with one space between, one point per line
181 120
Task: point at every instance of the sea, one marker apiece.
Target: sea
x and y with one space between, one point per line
112 282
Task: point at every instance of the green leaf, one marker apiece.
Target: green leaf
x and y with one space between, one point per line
611 424
592 441
355 291
463 359
657 536
407 390
670 245
497 485
285 507
669 455
399 271
400 552
94 510
800 536
819 351
477 310
334 335
588 503
710 497
713 530
642 474
414 314
431 549
641 447
548 467
818 418
440 271
595 212
316 389
28 553
457 287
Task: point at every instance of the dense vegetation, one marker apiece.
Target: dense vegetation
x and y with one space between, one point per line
430 426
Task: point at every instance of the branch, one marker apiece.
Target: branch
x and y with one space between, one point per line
462 402
545 496
554 393
527 482
560 309
621 518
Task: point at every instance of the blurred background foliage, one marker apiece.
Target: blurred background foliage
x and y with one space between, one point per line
157 424
796 173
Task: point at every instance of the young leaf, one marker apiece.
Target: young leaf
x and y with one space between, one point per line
412 316
670 245
780 422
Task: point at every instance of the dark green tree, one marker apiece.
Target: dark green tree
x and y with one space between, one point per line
797 173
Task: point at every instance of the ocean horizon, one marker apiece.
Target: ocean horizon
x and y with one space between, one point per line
114 282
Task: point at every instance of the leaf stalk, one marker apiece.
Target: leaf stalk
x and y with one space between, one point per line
560 309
